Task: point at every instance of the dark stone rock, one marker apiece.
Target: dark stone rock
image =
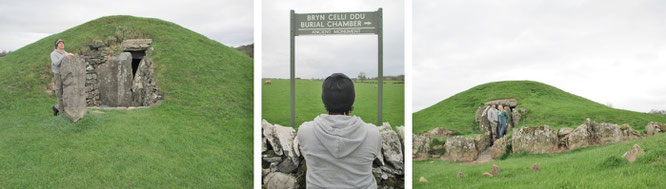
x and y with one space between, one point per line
115 78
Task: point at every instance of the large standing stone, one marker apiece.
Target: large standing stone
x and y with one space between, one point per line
420 146
482 141
73 74
608 133
277 180
579 137
460 148
515 118
499 148
541 139
115 80
481 118
391 146
632 154
144 88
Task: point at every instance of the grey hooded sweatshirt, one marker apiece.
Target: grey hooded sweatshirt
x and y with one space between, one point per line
339 151
56 59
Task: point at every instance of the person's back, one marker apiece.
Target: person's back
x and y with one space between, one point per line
339 148
339 151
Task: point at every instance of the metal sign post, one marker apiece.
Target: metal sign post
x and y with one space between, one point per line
341 23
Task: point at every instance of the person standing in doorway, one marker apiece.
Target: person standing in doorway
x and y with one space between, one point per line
503 119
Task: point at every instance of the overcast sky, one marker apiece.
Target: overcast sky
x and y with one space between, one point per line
320 56
229 22
607 51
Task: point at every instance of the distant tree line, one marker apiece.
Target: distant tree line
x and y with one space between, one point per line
247 49
4 53
655 111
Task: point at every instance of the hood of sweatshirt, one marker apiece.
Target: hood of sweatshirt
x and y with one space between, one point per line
340 134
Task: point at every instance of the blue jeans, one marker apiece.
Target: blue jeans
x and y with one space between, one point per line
502 129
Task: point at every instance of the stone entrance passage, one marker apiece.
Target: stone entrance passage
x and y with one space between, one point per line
123 80
137 56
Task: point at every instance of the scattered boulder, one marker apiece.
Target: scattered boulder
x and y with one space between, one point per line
73 75
277 180
535 167
460 148
633 153
540 139
461 175
495 170
653 128
499 148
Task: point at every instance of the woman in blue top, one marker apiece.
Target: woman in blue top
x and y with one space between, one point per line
503 118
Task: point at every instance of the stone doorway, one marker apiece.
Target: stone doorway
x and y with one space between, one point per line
123 80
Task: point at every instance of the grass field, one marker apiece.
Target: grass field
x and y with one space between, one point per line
545 104
199 137
275 102
591 167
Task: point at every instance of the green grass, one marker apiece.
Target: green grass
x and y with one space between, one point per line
546 105
199 137
591 167
276 109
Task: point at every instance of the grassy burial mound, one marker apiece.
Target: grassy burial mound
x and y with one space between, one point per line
543 104
275 101
199 136
552 142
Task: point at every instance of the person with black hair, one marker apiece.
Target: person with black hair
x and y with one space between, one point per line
57 55
339 148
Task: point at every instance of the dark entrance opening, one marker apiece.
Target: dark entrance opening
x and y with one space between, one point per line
137 56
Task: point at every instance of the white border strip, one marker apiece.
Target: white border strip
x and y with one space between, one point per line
257 95
408 93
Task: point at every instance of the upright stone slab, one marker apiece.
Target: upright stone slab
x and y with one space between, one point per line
540 139
73 74
115 78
